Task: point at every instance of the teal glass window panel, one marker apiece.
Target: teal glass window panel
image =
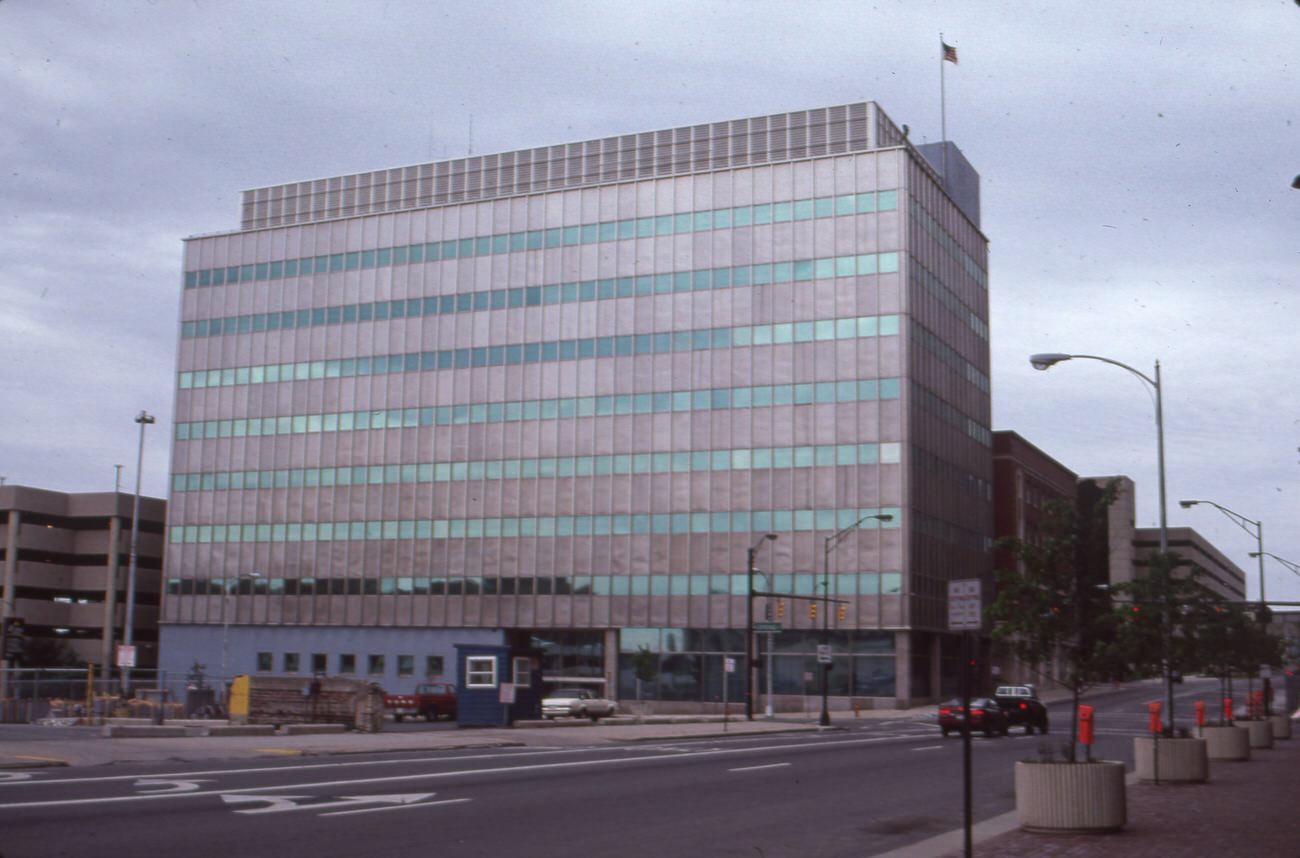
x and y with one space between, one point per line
868 584
824 207
891 452
866 203
888 262
824 269
887 200
803 209
868 326
846 205
888 388
891 583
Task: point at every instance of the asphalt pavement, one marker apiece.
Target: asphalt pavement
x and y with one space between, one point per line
1245 809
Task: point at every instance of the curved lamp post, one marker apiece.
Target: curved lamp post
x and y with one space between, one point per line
1294 567
1047 361
144 418
749 623
1254 528
828 544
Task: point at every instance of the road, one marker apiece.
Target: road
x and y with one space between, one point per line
873 787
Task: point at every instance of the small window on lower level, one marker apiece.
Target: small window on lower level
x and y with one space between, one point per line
291 662
347 663
264 662
481 671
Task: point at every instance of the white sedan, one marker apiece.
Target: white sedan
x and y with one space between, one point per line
577 703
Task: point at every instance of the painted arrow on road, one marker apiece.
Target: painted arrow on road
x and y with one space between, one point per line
283 803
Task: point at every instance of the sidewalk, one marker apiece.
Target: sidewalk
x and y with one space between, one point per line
61 747
1246 809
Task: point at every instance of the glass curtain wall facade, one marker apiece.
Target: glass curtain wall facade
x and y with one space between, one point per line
553 396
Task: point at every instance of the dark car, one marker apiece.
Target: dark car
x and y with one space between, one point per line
985 714
1022 707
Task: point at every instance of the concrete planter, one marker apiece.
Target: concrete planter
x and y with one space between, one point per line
1281 726
1261 733
1227 742
1071 798
1177 761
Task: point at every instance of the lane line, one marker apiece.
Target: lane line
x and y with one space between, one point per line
760 768
929 748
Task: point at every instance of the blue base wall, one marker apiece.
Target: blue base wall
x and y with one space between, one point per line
180 646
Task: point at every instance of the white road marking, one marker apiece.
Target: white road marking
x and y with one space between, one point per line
168 786
282 803
760 768
397 807
929 748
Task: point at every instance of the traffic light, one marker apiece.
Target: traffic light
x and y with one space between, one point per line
767 611
780 609
843 613
12 639
812 610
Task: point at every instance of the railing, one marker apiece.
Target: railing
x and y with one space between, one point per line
78 695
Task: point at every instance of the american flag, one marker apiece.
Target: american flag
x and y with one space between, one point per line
949 53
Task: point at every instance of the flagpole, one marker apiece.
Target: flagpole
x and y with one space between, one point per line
943 111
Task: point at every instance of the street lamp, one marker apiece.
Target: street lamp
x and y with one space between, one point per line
749 624
1294 567
225 623
828 544
1254 528
1047 361
144 418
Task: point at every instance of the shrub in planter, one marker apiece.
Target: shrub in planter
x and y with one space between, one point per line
1049 605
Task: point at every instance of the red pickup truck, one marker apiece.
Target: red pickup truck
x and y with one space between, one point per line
430 701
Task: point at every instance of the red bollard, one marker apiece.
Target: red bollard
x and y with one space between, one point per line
1085 724
1200 713
1153 717
1227 709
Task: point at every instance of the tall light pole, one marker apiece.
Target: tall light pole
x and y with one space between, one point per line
144 418
828 544
749 623
1047 361
1254 528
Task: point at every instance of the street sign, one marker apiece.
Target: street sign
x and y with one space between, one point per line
964 605
767 627
729 664
823 653
125 655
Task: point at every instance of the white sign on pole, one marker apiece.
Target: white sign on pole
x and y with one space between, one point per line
964 605
729 664
823 653
125 655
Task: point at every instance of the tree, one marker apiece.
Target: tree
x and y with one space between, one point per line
1232 642
1047 604
49 652
646 665
1164 619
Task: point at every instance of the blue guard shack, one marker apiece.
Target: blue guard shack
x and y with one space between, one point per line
497 685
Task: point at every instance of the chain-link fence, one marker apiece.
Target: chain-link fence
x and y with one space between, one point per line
36 695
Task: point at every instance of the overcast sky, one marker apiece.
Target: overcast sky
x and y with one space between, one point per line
1136 161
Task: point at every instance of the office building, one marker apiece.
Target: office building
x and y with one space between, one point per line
65 560
554 396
